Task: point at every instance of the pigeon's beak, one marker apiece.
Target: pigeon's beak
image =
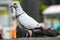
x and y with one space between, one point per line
11 6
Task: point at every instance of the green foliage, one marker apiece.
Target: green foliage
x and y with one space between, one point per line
18 1
42 7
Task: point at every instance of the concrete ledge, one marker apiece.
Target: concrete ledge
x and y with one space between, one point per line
40 38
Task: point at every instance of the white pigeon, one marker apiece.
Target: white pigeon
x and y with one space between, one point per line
23 18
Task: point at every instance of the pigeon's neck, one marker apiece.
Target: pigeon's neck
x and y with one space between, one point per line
19 10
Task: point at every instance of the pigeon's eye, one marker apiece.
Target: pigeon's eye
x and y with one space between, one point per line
15 4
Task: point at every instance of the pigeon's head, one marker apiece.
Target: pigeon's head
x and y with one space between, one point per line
15 4
17 7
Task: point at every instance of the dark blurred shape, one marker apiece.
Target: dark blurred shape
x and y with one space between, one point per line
1 34
31 7
57 1
51 2
47 2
